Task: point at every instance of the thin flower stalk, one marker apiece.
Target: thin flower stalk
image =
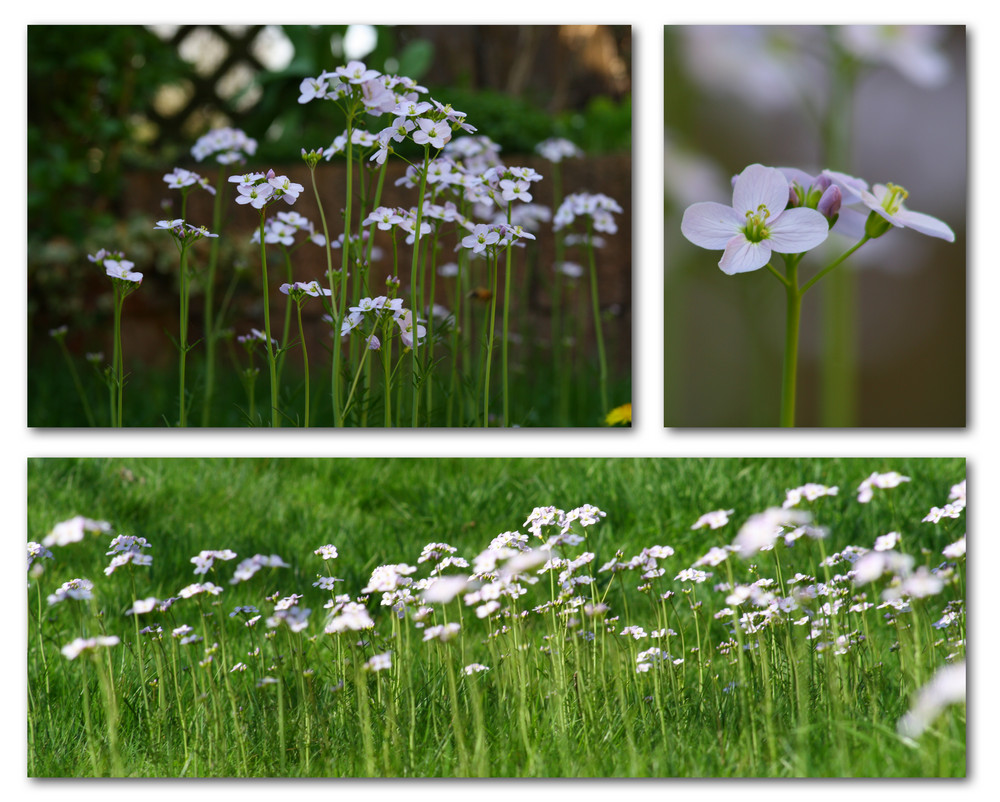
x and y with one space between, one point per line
271 362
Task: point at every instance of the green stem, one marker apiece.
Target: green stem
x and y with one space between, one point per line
119 380
387 383
489 341
275 419
76 381
357 375
838 375
835 263
287 327
414 284
183 338
345 263
305 362
789 371
601 359
211 335
506 329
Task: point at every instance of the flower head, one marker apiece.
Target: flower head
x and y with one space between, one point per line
78 589
714 520
886 201
122 269
757 224
74 530
228 145
947 687
556 149
80 646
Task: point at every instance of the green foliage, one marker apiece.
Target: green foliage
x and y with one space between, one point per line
87 86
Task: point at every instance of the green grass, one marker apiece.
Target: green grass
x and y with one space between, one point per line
553 703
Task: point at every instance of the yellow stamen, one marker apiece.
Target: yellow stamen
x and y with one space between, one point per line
894 197
756 227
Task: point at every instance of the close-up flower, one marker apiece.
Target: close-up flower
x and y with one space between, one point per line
757 224
887 202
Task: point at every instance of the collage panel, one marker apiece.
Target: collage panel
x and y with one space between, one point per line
430 226
478 617
329 226
833 158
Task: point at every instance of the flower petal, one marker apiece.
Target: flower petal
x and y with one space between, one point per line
760 186
710 225
797 231
850 186
873 200
742 256
925 224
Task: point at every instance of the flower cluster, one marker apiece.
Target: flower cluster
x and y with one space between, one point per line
301 289
78 589
598 207
204 560
227 145
880 481
74 530
182 179
282 228
80 646
411 332
789 211
810 492
182 231
556 149
261 189
117 267
426 122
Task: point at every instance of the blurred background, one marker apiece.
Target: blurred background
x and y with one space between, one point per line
111 109
881 103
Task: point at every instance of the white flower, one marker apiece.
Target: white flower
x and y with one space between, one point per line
714 520
81 645
887 202
442 632
761 530
353 616
886 542
947 687
881 481
910 49
445 588
809 492
142 606
74 530
714 556
197 588
556 149
379 662
757 224
203 562
871 565
79 589
955 550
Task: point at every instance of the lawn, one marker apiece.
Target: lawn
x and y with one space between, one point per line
438 638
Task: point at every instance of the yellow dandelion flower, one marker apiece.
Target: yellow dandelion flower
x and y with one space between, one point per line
622 415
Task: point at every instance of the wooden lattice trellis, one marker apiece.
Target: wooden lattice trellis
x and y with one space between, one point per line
204 97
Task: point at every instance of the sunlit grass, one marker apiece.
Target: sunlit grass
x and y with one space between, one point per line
353 645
